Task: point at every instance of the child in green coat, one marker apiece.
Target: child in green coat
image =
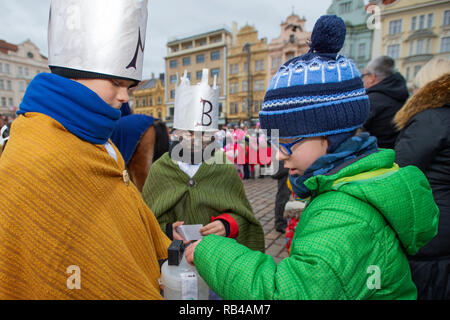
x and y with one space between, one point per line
363 215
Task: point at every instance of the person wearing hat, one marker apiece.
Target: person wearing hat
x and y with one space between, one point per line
363 213
194 183
72 225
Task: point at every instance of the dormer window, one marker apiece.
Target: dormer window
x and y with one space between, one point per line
30 55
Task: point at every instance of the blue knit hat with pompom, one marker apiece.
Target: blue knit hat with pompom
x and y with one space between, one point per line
320 93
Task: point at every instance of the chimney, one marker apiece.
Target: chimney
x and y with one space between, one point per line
161 77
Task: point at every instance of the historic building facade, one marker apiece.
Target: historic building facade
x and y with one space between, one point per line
415 31
358 39
292 42
149 98
193 53
248 65
19 64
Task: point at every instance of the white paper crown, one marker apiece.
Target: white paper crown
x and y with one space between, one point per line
99 36
196 107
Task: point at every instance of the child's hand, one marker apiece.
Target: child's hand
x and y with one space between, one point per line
215 227
189 252
175 234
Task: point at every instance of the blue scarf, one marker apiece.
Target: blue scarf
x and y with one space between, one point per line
80 110
352 148
128 133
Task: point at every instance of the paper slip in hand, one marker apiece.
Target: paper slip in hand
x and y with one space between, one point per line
190 232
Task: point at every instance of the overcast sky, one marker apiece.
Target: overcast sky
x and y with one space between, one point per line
27 19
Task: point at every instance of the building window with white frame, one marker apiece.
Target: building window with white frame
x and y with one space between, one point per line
430 19
445 44
234 68
395 27
9 85
420 46
345 7
2 84
259 65
259 85
413 23
393 51
173 78
1 67
446 21
362 50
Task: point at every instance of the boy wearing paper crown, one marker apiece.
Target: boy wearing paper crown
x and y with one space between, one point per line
72 225
363 215
194 183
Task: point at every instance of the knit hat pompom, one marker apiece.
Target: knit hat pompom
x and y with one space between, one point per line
328 35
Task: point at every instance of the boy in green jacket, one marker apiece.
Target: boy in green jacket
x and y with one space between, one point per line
363 213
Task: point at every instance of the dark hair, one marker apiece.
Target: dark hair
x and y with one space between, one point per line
162 139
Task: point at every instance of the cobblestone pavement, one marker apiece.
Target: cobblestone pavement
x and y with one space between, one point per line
261 194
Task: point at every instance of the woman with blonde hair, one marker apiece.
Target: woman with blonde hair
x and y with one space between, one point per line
424 141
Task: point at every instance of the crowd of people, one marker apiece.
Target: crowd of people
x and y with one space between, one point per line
83 184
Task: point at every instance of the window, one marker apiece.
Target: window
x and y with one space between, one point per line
408 71
173 63
173 78
1 67
2 85
189 76
11 101
215 72
417 69
413 23
7 71
187 61
421 22
234 87
345 7
159 101
259 65
244 86
445 44
447 18
395 27
27 72
362 50
3 101
234 68
198 75
150 102
244 106
393 51
9 85
420 45
245 66
215 55
172 94
411 48
258 85
430 20
276 63
200 58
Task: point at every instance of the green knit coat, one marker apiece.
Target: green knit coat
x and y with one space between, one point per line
351 241
215 189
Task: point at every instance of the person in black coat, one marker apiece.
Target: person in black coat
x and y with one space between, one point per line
424 141
282 197
387 93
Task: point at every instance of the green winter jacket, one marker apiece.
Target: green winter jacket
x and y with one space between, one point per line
350 242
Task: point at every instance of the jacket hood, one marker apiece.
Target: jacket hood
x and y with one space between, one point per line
435 94
401 195
393 86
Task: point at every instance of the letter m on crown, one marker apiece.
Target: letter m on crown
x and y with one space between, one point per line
141 46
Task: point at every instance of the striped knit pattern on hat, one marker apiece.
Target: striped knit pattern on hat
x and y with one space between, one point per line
319 93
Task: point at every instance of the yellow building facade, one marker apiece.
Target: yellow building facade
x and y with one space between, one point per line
193 53
239 71
148 98
415 31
